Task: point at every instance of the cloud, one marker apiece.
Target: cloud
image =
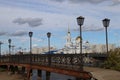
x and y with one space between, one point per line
81 1
88 1
19 33
58 0
32 22
2 33
91 28
115 2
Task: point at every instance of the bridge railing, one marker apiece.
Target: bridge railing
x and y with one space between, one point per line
67 61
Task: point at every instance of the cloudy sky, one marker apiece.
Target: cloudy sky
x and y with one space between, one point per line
18 17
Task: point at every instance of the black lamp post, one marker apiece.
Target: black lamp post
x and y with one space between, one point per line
0 50
80 21
9 41
30 35
106 22
49 58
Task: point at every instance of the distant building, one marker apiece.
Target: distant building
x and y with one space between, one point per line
41 50
73 47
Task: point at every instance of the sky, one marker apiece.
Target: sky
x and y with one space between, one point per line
18 17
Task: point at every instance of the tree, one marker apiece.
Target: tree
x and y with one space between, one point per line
113 60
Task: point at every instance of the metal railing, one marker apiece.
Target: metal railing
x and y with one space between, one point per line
65 61
68 61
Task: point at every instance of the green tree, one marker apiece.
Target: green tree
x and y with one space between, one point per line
113 60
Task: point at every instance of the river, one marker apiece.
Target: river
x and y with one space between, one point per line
54 76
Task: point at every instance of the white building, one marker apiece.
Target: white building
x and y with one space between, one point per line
74 48
41 50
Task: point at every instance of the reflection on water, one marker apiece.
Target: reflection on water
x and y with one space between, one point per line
55 76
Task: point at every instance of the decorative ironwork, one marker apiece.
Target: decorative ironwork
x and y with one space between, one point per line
64 61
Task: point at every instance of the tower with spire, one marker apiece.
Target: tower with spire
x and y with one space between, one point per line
68 39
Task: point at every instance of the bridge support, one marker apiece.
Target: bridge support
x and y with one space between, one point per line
12 68
8 67
28 73
15 69
23 70
40 73
48 75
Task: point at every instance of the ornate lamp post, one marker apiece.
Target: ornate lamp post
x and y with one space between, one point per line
9 41
106 22
49 58
0 50
30 35
29 69
80 21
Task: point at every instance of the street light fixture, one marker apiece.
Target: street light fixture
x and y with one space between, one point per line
9 41
30 35
106 22
80 21
0 50
49 35
30 57
49 57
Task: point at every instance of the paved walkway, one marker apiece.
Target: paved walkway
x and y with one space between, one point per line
103 74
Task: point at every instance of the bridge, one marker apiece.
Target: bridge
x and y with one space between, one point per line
68 64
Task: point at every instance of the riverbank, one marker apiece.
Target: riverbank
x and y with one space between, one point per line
7 76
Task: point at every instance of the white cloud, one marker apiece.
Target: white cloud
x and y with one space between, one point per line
91 28
19 33
32 22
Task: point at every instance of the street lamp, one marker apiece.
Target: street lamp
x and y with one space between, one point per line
0 50
80 21
106 22
49 57
9 41
30 35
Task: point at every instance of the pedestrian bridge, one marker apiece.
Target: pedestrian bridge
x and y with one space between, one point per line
68 64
